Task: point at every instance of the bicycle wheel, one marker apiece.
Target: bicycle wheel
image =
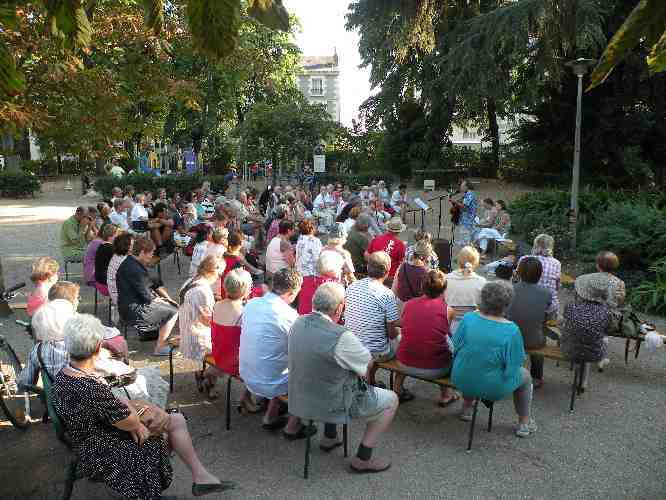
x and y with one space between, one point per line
14 402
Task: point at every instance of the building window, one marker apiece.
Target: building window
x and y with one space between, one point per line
317 86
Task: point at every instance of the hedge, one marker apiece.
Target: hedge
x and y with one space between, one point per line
630 223
149 182
17 184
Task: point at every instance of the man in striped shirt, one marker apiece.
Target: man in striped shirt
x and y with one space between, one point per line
372 312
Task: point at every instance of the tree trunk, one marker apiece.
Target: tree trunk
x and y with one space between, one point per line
491 109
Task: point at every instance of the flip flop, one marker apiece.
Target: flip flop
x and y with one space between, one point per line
276 424
405 396
303 432
451 400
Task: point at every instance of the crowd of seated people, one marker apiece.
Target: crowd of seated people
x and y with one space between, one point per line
343 292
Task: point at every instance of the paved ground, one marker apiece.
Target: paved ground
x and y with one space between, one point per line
612 447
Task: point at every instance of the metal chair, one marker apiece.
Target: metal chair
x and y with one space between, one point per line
71 260
101 291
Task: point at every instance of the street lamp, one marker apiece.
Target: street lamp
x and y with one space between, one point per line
579 67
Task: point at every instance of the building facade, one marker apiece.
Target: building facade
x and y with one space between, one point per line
318 82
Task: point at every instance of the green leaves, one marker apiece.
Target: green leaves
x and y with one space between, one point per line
645 25
154 17
214 25
270 13
68 21
11 81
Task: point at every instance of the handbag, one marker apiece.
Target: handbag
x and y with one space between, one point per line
154 418
624 323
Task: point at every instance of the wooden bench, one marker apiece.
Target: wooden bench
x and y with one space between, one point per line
393 367
554 329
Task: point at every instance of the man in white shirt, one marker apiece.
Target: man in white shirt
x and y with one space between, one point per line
139 214
118 215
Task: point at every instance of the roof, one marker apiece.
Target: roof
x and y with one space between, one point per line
313 62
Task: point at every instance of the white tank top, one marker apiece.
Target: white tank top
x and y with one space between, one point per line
274 257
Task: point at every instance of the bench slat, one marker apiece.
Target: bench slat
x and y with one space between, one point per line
393 366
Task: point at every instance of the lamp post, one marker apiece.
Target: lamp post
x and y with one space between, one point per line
579 67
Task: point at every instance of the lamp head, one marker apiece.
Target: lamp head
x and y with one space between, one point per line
581 65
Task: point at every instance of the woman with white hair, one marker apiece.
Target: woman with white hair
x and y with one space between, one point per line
489 357
464 285
337 237
552 268
226 330
110 436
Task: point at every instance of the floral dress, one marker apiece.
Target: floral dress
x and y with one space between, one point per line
89 409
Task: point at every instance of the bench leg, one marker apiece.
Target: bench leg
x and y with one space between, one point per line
490 416
626 351
171 370
345 439
472 424
228 414
69 480
306 466
66 275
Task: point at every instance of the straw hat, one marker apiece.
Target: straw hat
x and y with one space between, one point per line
592 287
422 248
395 225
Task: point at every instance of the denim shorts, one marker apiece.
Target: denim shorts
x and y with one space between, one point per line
371 403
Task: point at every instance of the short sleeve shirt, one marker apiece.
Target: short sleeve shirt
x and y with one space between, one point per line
393 246
369 307
469 209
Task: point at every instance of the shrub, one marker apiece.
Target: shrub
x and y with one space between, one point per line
149 182
636 232
627 223
650 295
17 184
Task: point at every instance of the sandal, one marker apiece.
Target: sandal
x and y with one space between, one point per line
248 408
199 379
405 396
443 403
304 432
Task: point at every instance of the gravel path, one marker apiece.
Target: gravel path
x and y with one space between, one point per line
613 447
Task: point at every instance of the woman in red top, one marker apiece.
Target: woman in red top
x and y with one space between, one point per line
329 268
424 349
226 329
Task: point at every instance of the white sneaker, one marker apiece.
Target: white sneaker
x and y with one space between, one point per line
466 415
524 430
603 364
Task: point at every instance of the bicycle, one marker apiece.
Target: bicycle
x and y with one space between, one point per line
16 402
